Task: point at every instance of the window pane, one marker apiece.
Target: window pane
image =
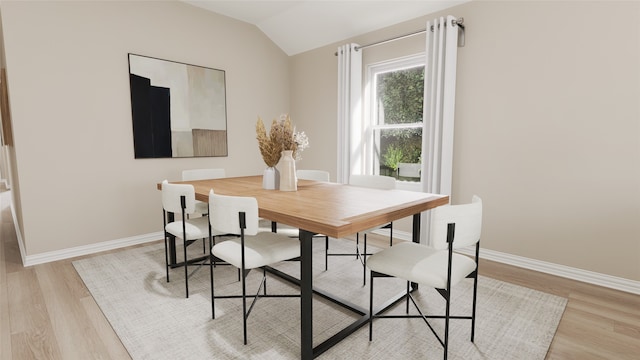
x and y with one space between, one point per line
399 99
400 152
400 95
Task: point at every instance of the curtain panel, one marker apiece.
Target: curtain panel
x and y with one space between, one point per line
439 109
350 122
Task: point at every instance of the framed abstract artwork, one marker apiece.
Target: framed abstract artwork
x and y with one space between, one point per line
178 110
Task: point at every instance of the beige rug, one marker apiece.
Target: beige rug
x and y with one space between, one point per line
155 321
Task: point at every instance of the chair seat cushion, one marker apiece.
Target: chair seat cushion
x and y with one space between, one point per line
202 207
421 264
196 228
265 248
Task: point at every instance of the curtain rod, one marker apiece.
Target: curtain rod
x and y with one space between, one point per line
459 22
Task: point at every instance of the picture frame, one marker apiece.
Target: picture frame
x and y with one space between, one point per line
178 110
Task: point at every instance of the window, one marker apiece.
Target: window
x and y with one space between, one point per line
395 93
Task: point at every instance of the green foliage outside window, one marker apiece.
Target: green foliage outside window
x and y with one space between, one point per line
393 156
400 100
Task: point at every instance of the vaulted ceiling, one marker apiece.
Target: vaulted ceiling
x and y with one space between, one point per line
300 25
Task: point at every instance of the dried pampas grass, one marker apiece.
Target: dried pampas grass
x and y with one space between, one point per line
270 151
280 138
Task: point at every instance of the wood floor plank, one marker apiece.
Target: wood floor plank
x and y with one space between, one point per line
619 304
596 322
629 329
67 315
613 314
5 332
32 335
22 349
565 349
519 276
3 266
12 257
114 347
599 344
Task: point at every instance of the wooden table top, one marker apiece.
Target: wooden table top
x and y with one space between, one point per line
333 209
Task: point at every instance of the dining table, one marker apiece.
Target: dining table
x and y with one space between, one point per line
332 209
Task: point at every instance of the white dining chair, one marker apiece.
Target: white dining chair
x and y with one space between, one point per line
203 174
180 199
437 266
375 182
202 207
251 249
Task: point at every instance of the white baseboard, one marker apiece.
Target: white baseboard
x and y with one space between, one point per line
30 260
56 255
568 272
586 276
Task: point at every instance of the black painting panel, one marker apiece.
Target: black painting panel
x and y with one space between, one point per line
151 112
161 121
141 112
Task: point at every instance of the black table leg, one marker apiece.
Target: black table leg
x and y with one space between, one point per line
415 236
306 295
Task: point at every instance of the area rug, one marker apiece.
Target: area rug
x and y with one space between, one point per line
154 320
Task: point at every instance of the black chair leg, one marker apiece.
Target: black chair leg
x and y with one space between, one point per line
186 270
407 305
211 262
166 257
475 293
264 276
326 253
244 309
364 262
371 308
473 309
446 325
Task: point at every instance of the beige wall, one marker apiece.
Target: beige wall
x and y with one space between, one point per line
78 182
547 125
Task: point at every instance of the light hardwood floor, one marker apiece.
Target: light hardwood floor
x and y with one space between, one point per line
46 312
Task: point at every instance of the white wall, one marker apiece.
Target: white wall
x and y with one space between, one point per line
547 125
67 68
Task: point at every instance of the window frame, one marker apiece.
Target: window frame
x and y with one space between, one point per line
372 162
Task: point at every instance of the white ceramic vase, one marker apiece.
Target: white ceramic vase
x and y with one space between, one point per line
288 181
271 178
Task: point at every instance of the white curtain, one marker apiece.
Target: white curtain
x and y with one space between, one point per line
350 122
439 108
